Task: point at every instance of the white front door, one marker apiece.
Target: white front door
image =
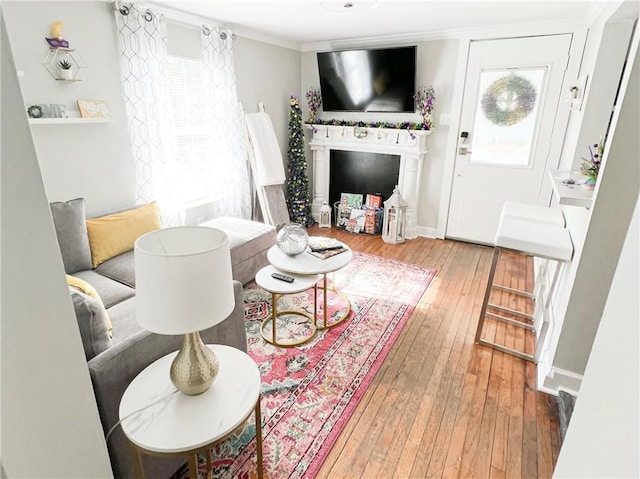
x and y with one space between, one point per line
511 97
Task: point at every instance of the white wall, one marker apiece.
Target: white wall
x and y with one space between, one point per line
269 74
603 435
95 161
92 161
49 418
598 233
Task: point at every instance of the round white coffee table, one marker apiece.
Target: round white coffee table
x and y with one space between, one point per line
305 263
279 288
181 425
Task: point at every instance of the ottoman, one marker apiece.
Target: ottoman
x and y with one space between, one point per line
249 242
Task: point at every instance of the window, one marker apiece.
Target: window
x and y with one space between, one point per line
187 99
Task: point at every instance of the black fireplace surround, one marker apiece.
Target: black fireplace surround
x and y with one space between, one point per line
363 173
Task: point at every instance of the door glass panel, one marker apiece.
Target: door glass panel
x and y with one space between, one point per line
506 116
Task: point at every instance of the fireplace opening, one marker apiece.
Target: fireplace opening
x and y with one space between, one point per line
362 173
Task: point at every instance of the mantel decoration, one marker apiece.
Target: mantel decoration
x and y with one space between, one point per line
591 166
405 125
314 100
508 100
425 99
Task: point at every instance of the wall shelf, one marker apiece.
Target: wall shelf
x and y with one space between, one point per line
570 194
67 121
53 58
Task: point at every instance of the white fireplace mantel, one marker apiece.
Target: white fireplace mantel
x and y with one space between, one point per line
410 145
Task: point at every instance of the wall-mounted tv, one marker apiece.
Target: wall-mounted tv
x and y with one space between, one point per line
374 80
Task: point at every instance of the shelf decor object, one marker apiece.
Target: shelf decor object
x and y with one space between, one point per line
567 186
292 239
73 69
183 286
94 109
62 62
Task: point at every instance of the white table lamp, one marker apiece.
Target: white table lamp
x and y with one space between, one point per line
184 285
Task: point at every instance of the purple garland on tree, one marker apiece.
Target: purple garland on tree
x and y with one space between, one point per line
298 197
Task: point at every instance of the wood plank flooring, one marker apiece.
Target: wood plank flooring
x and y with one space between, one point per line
442 406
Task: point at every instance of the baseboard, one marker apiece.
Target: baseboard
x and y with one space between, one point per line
426 232
560 380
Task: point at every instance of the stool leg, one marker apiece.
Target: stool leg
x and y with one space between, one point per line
487 293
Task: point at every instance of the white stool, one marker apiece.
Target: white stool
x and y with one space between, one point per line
541 214
532 238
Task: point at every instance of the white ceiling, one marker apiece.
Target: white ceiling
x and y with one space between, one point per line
304 22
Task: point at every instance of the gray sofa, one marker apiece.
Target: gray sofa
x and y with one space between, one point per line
115 361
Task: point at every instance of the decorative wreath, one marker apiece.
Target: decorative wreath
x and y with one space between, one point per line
509 100
34 111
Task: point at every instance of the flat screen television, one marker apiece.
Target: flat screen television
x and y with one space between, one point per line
374 80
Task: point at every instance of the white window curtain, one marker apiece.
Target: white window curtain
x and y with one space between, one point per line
224 119
142 38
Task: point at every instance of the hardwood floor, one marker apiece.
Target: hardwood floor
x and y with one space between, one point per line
441 406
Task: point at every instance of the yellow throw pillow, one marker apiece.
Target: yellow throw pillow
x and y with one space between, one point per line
115 234
84 287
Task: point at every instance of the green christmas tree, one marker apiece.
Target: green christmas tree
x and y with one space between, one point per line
298 197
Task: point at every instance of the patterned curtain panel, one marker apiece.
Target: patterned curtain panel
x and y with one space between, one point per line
142 38
224 119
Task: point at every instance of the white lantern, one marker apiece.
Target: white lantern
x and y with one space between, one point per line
395 213
325 215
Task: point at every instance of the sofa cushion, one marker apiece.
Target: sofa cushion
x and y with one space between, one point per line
124 320
116 233
92 322
120 268
246 238
71 230
112 292
85 288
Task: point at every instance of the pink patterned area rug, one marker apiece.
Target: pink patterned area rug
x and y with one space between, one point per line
309 392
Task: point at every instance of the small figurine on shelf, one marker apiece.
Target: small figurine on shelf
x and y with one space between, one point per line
65 69
590 167
56 33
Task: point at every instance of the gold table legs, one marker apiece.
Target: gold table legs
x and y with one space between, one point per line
206 450
344 314
272 318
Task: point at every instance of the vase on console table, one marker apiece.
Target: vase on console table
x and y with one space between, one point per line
589 183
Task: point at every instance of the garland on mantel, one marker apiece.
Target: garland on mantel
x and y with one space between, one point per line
406 125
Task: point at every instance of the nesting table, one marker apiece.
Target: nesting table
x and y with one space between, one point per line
307 264
279 288
181 425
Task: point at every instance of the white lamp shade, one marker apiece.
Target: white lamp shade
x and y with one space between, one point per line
183 279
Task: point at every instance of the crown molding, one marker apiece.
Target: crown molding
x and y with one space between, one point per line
261 37
186 18
485 33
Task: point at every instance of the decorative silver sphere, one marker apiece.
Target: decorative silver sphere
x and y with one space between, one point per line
292 239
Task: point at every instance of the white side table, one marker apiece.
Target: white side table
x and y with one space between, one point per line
182 425
301 282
